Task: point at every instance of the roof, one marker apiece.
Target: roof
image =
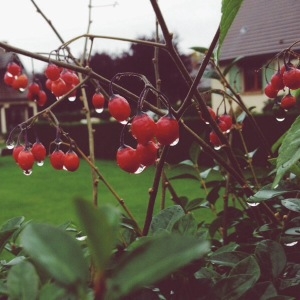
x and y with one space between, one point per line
262 27
7 93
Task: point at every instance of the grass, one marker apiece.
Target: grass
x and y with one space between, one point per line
47 195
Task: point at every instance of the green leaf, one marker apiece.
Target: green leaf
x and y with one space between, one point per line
101 226
230 9
184 169
194 204
7 230
229 259
292 204
23 282
186 225
160 256
289 152
249 266
56 252
166 218
202 50
271 257
194 153
262 291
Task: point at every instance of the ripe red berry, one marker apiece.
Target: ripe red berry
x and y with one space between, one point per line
34 88
41 98
212 114
13 69
288 102
214 139
39 152
167 130
67 76
270 91
20 82
227 122
119 108
16 152
147 153
52 72
143 128
58 87
57 159
127 159
26 160
277 81
291 78
71 161
98 101
8 79
48 84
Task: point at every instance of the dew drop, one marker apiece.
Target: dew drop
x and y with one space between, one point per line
72 98
40 163
123 122
175 142
21 90
64 168
10 144
217 147
252 203
99 110
291 244
140 169
280 119
27 172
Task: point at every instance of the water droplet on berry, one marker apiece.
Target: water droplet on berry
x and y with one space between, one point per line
123 122
27 172
21 90
10 144
140 169
58 141
72 98
291 244
99 110
217 147
175 142
252 203
40 163
280 119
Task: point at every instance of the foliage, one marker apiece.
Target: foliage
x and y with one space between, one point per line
249 250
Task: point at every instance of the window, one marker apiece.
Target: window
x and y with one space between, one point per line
252 79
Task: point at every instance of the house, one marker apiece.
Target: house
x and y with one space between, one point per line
14 105
260 30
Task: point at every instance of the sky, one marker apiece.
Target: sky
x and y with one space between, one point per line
194 22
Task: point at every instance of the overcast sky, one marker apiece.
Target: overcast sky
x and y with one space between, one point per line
193 21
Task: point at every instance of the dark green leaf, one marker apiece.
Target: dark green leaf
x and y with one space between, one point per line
227 248
271 257
101 226
7 230
183 170
207 273
213 195
248 266
229 259
194 153
202 50
52 291
289 152
293 231
230 9
262 291
193 204
166 218
160 256
55 251
23 282
292 204
186 225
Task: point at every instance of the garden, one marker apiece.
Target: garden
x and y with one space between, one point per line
183 210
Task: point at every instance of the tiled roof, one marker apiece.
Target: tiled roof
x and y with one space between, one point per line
262 27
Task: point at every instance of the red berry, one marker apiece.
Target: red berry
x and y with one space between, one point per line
71 161
25 160
16 152
57 159
119 108
212 114
288 102
98 101
143 128
39 152
41 98
52 72
127 159
67 76
8 79
147 153
48 84
291 78
58 87
34 88
227 119
167 130
20 82
277 81
270 91
214 139
13 69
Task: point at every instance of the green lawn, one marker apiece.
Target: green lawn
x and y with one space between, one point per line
47 195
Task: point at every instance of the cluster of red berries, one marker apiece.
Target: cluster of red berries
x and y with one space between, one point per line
288 76
60 81
37 94
15 77
225 123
